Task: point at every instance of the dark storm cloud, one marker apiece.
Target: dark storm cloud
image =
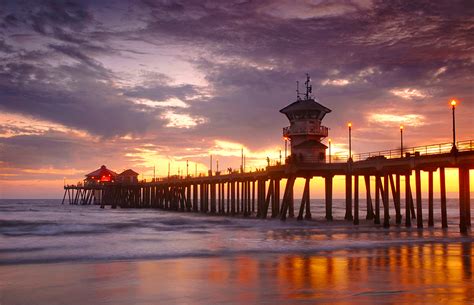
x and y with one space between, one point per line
5 48
75 53
254 55
388 34
70 95
163 92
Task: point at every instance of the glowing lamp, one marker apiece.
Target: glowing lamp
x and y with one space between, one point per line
401 127
453 102
349 124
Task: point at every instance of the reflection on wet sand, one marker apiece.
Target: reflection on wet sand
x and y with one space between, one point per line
430 273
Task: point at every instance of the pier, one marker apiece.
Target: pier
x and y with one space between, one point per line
260 194
269 192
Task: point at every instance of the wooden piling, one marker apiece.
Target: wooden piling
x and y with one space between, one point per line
253 196
276 198
232 198
268 198
307 215
395 187
463 198
213 198
348 215
287 197
291 206
430 199
228 198
378 186
238 197
305 201
407 201
64 197
356 199
385 199
328 196
370 208
419 210
442 190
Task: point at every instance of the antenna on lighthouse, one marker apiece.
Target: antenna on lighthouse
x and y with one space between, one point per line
309 88
298 91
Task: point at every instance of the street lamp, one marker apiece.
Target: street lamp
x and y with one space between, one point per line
329 143
453 107
350 140
401 141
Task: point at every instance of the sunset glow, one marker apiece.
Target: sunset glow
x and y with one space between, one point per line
97 89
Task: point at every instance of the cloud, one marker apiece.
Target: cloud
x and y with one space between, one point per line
336 82
409 93
171 102
181 120
312 9
70 95
414 120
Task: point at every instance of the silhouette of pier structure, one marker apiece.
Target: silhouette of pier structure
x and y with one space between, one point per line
260 193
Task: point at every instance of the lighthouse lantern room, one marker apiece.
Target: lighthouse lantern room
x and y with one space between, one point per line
305 131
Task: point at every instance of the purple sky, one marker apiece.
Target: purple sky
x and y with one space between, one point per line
143 83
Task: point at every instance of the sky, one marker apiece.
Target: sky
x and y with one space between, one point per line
140 84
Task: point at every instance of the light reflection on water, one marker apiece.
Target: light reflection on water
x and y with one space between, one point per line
435 273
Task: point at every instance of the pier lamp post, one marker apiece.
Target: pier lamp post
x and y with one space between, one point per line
329 144
349 125
286 147
453 107
401 141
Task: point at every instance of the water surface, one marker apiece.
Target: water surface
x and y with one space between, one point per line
61 254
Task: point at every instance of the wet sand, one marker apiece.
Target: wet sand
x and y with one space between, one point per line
411 274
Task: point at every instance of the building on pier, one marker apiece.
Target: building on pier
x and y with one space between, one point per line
128 176
103 174
305 132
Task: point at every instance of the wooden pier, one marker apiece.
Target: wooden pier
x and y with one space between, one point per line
259 193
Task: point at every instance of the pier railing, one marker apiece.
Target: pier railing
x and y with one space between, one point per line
432 149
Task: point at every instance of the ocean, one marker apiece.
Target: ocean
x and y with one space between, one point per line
63 254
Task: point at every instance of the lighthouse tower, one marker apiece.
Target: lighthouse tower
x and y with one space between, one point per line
305 131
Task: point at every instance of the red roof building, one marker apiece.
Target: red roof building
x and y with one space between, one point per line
103 174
